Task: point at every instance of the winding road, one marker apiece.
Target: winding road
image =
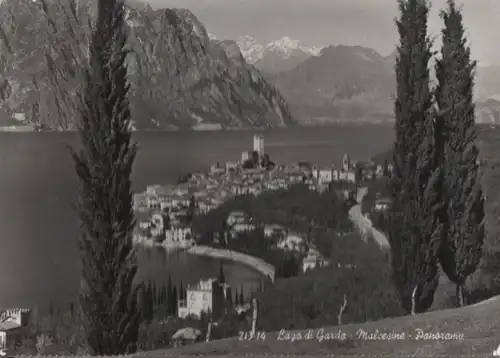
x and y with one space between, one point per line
363 223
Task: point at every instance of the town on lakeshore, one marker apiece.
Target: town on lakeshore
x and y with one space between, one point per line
165 212
348 240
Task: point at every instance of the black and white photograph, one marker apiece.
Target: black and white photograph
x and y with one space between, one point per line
236 178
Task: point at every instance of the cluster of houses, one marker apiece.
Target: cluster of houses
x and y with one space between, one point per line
163 212
13 326
239 222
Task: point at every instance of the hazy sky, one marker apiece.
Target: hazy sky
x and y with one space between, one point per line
324 22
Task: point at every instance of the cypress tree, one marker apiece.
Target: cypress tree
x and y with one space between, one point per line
170 297
159 299
242 297
108 297
164 294
415 228
385 169
230 295
221 278
144 303
462 245
181 292
154 293
174 300
150 304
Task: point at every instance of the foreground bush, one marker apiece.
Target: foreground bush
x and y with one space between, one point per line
314 300
62 334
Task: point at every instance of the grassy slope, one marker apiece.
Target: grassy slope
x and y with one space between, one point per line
479 325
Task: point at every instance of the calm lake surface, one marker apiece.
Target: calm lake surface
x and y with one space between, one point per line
39 231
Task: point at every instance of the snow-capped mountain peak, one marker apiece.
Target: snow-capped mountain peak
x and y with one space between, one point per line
285 47
250 48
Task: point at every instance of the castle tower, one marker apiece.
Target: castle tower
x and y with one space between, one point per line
258 144
346 163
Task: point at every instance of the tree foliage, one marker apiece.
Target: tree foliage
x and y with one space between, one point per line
360 271
416 229
462 245
108 296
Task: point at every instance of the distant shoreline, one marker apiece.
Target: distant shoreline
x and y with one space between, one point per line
29 129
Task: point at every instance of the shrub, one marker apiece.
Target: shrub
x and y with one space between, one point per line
314 300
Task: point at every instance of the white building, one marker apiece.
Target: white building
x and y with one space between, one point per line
349 176
382 204
237 217
240 228
155 190
13 326
323 176
140 202
292 242
346 163
178 235
143 220
231 167
274 230
158 220
152 201
309 262
245 156
258 144
207 296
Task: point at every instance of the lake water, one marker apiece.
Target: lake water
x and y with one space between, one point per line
39 230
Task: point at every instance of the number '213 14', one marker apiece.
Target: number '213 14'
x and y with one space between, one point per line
250 336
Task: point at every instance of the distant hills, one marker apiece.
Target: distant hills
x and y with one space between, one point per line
348 83
342 83
180 78
183 77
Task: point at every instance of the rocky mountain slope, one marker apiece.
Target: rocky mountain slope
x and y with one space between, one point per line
353 83
277 56
342 83
180 78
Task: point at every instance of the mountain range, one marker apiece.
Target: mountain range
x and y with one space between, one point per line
341 83
180 78
276 56
347 83
183 77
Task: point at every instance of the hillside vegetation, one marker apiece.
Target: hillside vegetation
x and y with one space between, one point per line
474 330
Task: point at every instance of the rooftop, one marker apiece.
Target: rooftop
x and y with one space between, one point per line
9 325
383 201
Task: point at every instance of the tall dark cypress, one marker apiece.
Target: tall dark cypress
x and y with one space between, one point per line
462 245
230 295
175 300
242 296
415 228
181 292
221 278
170 298
108 296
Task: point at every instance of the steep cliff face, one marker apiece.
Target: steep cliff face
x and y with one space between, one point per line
179 77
